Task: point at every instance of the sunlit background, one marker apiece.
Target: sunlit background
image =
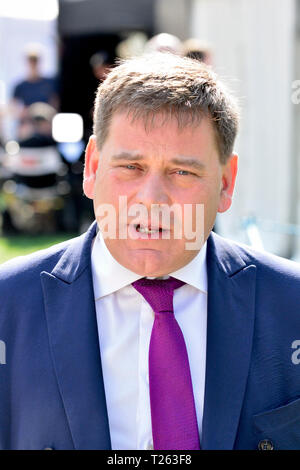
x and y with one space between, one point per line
29 9
254 46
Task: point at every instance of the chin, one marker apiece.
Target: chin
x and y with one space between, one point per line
150 264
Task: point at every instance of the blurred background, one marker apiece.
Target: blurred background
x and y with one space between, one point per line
53 55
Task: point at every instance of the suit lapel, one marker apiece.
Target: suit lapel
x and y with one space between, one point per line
73 337
231 301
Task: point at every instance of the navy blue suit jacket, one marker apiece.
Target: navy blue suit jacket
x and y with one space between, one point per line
51 386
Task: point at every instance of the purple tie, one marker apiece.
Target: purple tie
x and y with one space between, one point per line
173 413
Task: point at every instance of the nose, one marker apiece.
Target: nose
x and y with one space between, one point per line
152 191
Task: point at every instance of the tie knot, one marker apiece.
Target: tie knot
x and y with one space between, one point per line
158 292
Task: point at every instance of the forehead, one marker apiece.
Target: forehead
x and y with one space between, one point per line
161 131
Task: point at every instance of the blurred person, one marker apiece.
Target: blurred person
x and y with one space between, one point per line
35 173
100 64
196 49
40 116
132 46
128 338
164 42
34 88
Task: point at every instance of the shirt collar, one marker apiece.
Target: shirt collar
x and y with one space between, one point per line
109 276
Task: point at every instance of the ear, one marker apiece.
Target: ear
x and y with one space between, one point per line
228 182
90 167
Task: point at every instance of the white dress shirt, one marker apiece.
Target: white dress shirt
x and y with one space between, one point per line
125 322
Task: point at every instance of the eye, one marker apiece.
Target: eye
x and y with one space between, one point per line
183 172
130 167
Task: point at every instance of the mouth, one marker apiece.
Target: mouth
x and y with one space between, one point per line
148 229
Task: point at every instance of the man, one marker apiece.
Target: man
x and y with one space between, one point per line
131 336
35 88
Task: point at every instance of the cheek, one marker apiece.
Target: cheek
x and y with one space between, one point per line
110 190
117 185
106 189
203 193
208 196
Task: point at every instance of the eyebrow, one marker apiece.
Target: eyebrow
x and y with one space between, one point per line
188 161
181 160
127 156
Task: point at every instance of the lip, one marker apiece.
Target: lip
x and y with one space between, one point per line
148 223
160 234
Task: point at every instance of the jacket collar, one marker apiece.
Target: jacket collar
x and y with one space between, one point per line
76 258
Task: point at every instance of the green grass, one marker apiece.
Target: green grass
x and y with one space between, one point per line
18 245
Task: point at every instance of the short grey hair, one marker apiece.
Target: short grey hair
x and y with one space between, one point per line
177 86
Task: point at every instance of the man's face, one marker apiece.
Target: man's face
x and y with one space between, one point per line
158 167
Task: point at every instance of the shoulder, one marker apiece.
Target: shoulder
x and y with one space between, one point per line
21 286
50 81
267 264
23 269
19 86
